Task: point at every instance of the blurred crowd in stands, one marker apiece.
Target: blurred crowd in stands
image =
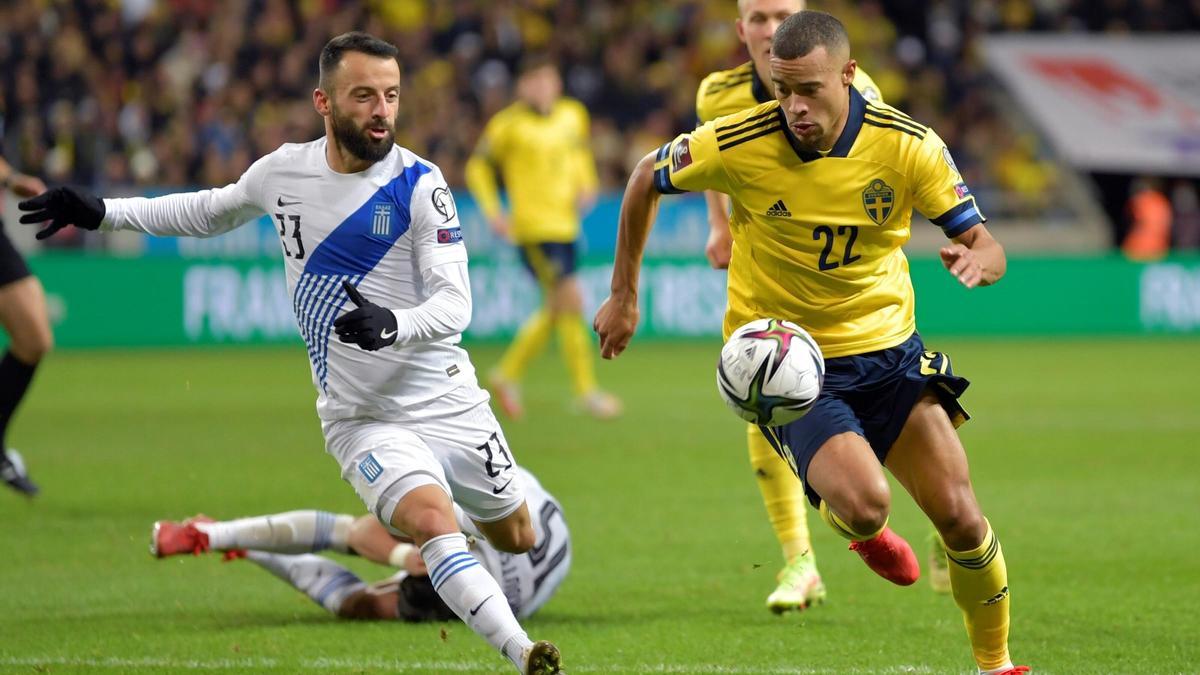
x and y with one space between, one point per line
142 94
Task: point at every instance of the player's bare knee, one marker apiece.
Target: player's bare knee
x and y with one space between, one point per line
869 519
868 510
426 522
567 297
569 302
31 343
962 528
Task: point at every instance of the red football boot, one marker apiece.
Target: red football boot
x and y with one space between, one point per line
172 538
890 556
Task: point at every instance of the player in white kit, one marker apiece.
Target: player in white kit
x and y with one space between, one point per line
364 221
283 544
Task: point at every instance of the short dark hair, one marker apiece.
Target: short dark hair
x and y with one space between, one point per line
354 41
806 30
534 61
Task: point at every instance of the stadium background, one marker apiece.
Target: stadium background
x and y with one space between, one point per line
1084 358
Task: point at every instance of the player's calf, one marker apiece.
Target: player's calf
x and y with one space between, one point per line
961 527
979 581
513 534
23 315
467 588
324 581
474 596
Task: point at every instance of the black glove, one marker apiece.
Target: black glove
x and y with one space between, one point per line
63 206
370 326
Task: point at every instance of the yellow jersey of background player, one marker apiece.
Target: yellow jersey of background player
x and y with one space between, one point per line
818 242
726 92
539 146
546 164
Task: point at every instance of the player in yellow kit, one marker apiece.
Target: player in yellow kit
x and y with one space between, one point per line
823 184
539 147
723 93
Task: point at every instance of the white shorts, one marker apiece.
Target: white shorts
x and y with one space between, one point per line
464 452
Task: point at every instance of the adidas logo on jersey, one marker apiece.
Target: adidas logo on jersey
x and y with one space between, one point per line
779 210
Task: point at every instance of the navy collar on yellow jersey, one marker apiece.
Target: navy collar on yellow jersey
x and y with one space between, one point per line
854 122
757 88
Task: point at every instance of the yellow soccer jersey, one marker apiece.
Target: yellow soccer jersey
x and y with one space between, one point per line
728 91
546 164
817 237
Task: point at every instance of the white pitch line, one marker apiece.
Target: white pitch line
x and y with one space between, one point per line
395 665
124 663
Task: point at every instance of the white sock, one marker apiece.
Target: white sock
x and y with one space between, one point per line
1001 669
326 582
467 588
291 532
465 523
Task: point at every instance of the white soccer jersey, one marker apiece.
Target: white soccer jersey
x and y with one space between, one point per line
530 579
391 230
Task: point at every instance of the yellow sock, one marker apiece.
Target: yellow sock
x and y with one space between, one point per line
842 528
528 343
979 580
577 352
782 493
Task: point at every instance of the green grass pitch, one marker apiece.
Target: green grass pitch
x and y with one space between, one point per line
1083 453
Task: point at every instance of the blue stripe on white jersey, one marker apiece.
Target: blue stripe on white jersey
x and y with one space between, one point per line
349 253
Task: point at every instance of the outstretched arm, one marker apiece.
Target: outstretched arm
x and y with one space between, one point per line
617 318
186 214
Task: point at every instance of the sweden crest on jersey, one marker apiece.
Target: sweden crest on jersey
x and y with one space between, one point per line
878 199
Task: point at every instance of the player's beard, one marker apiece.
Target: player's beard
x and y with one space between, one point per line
355 140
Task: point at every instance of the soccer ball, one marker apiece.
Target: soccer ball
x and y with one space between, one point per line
770 372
